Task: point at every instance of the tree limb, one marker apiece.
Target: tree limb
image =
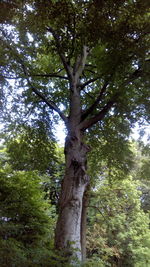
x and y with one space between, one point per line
80 63
91 71
99 116
82 86
49 103
52 75
95 207
85 124
59 49
90 65
96 102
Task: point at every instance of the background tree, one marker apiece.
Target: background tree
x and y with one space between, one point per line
29 200
141 172
118 227
86 62
32 148
26 220
118 211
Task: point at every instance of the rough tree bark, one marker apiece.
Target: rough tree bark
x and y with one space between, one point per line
68 230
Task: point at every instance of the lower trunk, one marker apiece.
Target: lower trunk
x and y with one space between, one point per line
68 229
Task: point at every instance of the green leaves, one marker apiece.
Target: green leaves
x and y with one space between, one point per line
32 149
118 229
26 219
116 34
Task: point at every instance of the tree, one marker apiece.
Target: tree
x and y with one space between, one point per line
118 227
33 149
118 219
86 61
26 220
28 200
141 172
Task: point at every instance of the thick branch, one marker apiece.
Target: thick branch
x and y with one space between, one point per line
85 124
59 49
99 116
94 105
82 86
52 75
80 63
49 103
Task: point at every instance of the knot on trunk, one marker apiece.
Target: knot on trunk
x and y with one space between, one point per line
80 175
85 148
76 165
71 141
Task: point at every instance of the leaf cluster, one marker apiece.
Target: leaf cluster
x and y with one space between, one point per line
26 219
118 227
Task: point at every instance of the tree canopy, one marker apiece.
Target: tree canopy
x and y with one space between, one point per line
41 44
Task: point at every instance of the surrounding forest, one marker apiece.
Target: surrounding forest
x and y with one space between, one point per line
85 64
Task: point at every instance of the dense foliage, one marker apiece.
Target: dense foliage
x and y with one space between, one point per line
118 227
38 40
118 232
26 220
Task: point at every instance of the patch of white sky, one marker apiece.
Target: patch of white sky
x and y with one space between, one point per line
60 132
141 132
29 7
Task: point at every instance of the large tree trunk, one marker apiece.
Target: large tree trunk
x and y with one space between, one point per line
68 229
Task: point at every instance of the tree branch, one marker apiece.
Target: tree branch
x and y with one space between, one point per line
90 65
82 86
52 75
80 63
94 207
85 124
91 71
49 103
96 102
99 116
59 49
